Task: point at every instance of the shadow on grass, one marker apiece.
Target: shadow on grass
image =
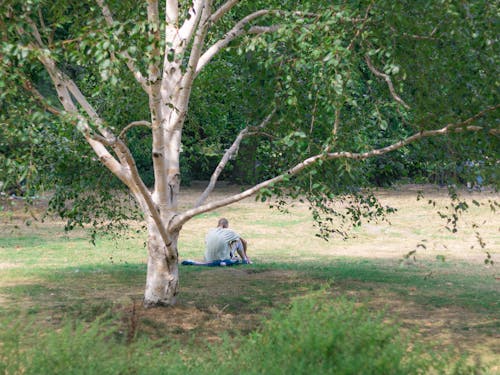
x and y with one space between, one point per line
434 284
234 301
79 291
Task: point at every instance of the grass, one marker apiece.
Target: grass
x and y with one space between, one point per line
59 281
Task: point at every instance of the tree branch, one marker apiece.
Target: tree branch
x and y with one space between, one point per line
35 32
67 90
464 125
228 155
187 30
337 122
132 125
185 216
263 29
64 85
172 12
223 9
418 37
138 187
198 44
146 195
155 38
127 170
236 31
262 134
387 80
239 29
361 28
44 28
64 95
189 75
153 211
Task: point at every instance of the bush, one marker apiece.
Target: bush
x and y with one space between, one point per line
83 349
318 336
314 336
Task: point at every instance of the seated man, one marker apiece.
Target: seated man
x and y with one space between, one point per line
223 243
222 247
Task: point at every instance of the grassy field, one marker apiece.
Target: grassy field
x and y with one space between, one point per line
444 294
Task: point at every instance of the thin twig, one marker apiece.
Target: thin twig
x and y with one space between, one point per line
365 20
387 80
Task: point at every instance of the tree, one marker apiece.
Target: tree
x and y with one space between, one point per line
339 83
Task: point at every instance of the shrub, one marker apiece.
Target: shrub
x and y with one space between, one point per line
80 348
315 335
321 336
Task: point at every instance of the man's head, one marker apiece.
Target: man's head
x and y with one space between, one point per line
223 223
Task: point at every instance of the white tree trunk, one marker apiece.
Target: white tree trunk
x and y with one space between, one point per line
162 280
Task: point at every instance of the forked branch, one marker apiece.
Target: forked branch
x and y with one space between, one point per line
139 188
236 31
241 28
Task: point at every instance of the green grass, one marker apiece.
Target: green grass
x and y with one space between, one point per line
68 261
62 264
438 284
56 288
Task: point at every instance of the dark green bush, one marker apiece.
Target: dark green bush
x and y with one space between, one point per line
83 349
320 336
315 335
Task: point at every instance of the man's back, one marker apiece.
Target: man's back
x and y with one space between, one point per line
217 243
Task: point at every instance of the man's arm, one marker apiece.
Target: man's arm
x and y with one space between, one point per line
243 251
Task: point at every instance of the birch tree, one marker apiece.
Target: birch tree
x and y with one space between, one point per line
336 76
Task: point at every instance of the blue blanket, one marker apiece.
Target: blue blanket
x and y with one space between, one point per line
215 263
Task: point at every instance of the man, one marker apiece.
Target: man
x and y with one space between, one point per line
223 243
222 247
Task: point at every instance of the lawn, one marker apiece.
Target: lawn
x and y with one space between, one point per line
444 294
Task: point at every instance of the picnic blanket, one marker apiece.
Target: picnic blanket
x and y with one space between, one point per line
215 263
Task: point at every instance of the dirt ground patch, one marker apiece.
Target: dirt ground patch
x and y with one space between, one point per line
210 305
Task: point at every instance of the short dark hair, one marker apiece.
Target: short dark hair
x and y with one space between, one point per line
223 222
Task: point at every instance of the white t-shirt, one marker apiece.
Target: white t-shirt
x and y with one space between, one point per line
217 243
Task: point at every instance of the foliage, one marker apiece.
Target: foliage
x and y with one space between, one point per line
79 348
340 83
332 337
440 56
328 336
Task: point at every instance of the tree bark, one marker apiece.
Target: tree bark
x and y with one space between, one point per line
162 279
